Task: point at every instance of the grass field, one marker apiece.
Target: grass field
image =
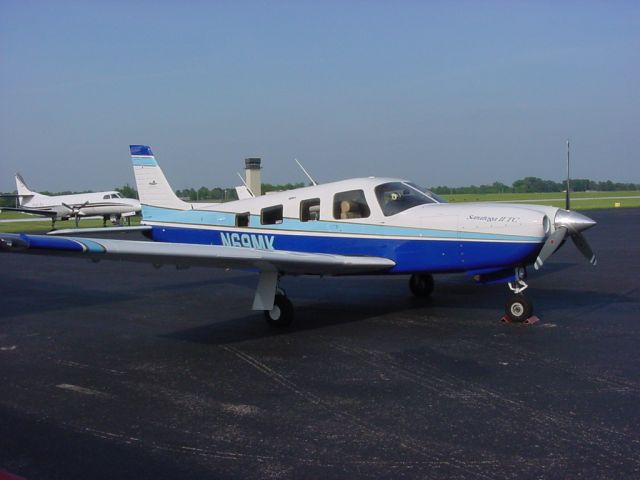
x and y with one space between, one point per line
45 224
579 201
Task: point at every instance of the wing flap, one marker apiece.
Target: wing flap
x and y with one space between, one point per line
181 254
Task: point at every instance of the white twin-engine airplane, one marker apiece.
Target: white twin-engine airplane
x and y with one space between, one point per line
351 227
108 205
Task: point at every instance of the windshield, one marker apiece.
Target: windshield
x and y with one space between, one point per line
437 198
396 197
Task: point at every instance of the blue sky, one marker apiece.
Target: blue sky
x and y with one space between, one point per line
451 92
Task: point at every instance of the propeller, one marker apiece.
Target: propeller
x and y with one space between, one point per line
584 248
550 246
571 223
75 210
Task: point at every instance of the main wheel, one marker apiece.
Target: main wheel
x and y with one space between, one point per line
281 315
421 285
518 308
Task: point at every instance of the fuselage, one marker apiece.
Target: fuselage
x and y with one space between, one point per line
382 217
84 204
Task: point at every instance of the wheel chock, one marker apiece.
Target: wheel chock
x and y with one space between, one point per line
529 321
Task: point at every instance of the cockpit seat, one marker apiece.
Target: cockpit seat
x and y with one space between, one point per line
349 209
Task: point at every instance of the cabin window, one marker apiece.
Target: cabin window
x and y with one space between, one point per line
106 197
396 197
310 210
271 215
242 219
351 204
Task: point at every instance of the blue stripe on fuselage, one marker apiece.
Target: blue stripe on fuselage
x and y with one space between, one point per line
410 255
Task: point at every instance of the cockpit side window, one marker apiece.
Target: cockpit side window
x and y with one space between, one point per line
351 204
396 197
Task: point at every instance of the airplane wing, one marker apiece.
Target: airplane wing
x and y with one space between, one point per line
33 211
183 255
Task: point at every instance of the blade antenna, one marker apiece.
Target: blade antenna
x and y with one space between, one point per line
306 173
245 184
567 201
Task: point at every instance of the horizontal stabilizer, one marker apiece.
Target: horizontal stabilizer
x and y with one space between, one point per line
243 192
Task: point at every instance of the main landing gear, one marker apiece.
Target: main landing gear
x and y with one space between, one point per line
421 284
281 315
272 300
518 308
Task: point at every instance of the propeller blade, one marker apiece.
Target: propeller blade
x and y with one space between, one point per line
584 248
550 246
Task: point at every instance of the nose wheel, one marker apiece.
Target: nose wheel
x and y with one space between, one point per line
518 308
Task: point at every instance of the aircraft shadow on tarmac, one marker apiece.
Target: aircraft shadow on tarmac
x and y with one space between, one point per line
441 311
253 327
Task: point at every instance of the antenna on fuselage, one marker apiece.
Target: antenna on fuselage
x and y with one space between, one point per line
306 173
567 204
245 184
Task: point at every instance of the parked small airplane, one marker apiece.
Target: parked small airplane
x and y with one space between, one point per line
351 227
110 205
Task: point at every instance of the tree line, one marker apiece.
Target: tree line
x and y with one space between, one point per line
524 185
538 185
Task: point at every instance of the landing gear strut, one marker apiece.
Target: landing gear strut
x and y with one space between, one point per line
421 284
518 308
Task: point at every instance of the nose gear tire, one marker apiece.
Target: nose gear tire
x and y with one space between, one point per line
518 308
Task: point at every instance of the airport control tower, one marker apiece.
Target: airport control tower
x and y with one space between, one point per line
252 175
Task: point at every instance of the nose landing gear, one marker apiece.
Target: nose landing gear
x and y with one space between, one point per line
518 308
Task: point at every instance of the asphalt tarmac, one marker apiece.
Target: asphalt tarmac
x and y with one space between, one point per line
118 370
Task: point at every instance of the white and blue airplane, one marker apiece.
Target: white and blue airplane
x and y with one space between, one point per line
382 226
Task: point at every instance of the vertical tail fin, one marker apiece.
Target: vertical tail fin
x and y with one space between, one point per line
153 187
21 186
24 194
